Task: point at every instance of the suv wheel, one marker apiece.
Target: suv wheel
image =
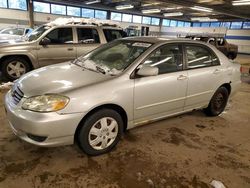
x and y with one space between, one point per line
100 132
218 102
14 67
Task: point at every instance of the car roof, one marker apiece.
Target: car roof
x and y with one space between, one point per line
151 39
84 26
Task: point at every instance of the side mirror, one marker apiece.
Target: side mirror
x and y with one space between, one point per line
147 70
45 41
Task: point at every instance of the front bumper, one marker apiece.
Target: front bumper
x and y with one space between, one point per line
57 129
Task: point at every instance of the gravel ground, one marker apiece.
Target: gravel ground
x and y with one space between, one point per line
184 151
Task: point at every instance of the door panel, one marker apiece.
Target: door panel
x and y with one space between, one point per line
60 47
204 74
160 95
202 84
164 94
82 49
52 54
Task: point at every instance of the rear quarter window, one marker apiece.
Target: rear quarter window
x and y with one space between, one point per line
112 34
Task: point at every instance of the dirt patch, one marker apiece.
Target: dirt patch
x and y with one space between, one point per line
178 136
246 179
129 136
45 176
226 161
200 126
18 169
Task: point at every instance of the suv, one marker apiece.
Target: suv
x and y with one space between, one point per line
230 50
55 42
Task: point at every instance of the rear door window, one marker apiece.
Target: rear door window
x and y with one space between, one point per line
87 35
112 34
199 56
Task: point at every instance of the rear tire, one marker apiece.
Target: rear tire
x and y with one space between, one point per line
218 102
231 56
100 132
14 67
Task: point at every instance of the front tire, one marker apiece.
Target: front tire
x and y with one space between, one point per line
218 102
14 67
100 132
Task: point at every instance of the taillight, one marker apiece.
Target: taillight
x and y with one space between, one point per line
241 69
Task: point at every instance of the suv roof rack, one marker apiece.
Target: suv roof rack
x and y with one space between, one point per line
82 21
205 35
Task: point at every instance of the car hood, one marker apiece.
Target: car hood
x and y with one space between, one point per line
58 78
13 42
9 37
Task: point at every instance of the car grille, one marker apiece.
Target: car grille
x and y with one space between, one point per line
16 94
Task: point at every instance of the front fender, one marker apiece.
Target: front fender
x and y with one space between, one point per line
28 50
117 91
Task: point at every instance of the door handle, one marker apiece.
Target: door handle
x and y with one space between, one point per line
181 77
216 71
70 49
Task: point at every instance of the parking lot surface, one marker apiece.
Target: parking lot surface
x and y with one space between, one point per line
189 150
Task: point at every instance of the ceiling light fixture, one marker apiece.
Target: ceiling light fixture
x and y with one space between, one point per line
213 20
173 14
203 19
92 2
150 4
172 8
151 11
241 2
202 9
122 7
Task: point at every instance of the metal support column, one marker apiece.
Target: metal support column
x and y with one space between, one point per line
31 15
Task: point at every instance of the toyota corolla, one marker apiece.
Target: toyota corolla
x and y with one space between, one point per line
92 100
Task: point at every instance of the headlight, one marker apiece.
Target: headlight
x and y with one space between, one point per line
45 103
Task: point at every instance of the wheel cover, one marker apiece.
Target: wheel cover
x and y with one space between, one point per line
16 69
103 133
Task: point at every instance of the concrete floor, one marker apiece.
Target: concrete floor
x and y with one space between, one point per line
184 151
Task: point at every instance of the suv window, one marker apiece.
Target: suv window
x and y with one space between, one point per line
112 34
61 36
167 58
87 35
199 56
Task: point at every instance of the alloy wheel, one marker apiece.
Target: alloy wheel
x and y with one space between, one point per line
103 133
15 69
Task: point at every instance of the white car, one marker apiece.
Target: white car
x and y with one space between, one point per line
118 86
13 34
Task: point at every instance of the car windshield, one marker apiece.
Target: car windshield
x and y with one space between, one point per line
35 34
13 31
113 58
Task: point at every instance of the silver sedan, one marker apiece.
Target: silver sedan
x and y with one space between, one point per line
128 82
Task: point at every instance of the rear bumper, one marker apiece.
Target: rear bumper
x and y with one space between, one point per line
56 129
235 86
